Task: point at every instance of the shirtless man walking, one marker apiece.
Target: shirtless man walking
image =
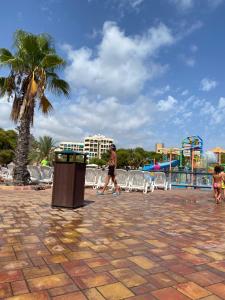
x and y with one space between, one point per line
111 172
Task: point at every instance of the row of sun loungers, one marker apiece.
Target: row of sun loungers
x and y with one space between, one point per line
38 174
128 180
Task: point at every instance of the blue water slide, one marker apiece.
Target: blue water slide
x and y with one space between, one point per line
163 166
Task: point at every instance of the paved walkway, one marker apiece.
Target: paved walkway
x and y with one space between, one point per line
166 246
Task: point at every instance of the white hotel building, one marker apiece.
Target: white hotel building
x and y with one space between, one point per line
94 145
72 146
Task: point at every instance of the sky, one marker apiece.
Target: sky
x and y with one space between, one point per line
140 71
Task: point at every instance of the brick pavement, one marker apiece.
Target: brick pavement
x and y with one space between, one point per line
165 245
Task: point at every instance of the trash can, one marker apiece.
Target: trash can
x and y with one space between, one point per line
69 179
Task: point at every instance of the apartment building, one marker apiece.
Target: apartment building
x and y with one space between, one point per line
74 146
96 145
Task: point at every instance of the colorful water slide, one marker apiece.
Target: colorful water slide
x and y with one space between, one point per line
163 166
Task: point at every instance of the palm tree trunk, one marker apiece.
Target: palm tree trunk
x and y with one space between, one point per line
21 175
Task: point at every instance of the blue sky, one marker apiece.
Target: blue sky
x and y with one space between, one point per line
141 71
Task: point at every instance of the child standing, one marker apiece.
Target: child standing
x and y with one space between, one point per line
223 182
217 184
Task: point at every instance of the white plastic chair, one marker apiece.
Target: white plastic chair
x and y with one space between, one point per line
35 173
160 181
148 178
101 175
10 168
122 178
5 174
46 174
91 177
138 182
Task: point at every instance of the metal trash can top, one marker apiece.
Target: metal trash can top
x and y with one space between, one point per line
70 156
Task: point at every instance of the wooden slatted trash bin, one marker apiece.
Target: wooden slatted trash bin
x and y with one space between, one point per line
69 179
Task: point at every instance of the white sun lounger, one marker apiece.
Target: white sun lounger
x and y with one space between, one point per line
35 173
160 181
91 177
138 182
122 178
46 174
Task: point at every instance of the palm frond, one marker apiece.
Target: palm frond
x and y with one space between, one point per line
15 112
5 56
45 43
59 86
45 106
2 86
52 61
7 85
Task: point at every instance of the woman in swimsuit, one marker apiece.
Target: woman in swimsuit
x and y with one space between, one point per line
217 184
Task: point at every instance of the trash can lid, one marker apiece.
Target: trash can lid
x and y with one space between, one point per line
70 152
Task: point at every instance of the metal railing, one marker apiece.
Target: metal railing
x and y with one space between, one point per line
187 179
190 179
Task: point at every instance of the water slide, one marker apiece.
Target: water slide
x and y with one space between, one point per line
163 166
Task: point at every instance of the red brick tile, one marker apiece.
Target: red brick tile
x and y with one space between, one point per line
5 290
71 296
19 287
192 290
9 276
169 294
63 290
74 269
204 278
217 289
31 296
48 282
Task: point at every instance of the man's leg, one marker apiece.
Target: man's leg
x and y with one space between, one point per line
117 188
106 183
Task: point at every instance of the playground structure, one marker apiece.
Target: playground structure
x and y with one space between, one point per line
192 147
189 156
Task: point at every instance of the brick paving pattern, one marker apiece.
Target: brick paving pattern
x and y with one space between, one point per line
161 246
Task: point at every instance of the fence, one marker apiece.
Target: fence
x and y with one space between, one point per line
189 179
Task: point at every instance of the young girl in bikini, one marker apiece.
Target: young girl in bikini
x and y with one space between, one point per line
223 183
217 184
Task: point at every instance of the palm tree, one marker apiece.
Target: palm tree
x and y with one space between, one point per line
33 69
41 148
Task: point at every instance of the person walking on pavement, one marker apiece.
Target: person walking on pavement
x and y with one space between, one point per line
111 172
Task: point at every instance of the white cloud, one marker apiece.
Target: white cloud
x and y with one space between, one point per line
121 65
207 84
215 3
135 3
221 103
5 109
168 104
125 5
214 115
186 29
186 5
124 122
190 61
183 4
184 93
162 90
193 48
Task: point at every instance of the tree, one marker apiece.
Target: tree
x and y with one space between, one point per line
8 140
41 148
122 158
106 156
97 161
154 155
33 69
